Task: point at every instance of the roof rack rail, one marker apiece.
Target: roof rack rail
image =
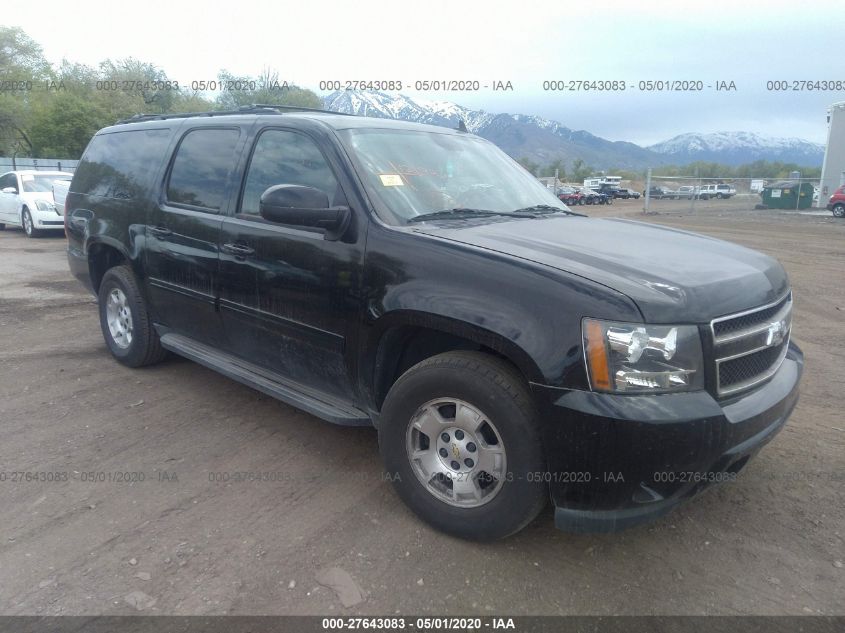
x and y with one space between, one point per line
254 108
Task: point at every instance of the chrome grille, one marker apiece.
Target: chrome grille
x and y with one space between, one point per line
750 346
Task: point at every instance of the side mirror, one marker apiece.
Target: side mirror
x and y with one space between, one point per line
297 205
9 190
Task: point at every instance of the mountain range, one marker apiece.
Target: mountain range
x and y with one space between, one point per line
544 141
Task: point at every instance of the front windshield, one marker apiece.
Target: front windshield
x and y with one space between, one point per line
409 173
42 184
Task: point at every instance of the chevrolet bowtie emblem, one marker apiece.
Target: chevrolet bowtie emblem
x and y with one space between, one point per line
456 451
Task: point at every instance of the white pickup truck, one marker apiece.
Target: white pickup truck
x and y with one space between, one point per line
60 189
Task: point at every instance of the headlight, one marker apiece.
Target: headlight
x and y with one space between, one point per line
43 205
637 358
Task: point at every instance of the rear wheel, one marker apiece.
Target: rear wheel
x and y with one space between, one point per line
125 320
839 211
28 225
459 437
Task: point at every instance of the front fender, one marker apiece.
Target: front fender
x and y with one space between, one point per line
528 312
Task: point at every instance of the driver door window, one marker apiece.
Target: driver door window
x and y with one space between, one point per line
287 158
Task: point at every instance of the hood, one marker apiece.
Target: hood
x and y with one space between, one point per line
673 276
47 196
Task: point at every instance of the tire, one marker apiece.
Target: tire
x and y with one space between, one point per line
508 439
28 225
119 294
839 211
719 196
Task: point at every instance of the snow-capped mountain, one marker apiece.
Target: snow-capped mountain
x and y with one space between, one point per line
520 135
396 106
736 148
543 140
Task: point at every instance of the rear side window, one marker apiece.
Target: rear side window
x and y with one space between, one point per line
120 164
201 168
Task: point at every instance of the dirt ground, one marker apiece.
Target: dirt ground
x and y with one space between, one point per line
179 542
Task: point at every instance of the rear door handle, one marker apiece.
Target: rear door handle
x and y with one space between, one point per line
160 231
238 250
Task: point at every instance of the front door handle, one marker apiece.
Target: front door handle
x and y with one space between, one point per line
238 250
160 231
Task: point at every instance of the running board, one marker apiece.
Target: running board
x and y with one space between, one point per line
264 381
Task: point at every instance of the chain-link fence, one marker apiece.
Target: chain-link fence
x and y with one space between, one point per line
693 193
14 163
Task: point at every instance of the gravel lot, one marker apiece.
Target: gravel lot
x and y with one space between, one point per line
179 543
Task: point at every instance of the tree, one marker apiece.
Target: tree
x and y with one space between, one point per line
529 165
556 165
130 86
266 88
580 170
64 126
22 66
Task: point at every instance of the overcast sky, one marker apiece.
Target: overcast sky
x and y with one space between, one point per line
523 42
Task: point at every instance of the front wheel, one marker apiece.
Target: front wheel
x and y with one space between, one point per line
28 225
460 440
125 320
839 211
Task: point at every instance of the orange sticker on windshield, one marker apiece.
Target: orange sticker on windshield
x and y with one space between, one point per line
391 180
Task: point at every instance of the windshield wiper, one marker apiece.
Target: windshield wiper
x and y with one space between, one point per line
461 213
547 208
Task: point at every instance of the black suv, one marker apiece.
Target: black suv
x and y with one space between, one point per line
415 278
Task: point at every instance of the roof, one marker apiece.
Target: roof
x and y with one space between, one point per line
38 172
782 184
335 120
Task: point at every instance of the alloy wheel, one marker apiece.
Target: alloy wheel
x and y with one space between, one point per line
119 318
456 453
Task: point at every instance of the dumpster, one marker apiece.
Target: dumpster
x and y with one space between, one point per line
782 195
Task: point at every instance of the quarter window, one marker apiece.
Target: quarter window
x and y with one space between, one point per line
202 167
287 158
121 164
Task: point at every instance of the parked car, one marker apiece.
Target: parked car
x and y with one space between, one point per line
705 192
60 189
658 193
26 199
612 191
687 192
507 349
837 202
629 193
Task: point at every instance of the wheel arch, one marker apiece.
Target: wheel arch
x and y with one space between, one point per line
104 253
403 338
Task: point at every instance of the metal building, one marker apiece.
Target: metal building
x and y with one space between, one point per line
833 169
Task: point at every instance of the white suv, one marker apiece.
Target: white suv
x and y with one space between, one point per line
26 199
706 192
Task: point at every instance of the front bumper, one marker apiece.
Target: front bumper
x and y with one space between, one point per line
47 220
615 461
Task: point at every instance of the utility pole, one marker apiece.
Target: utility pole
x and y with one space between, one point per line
647 190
